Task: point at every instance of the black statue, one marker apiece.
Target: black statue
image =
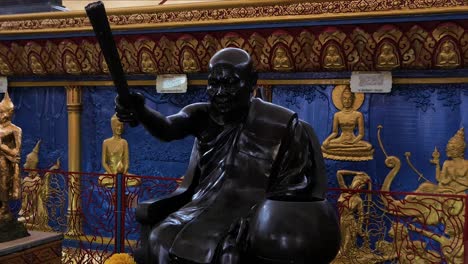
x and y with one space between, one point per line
256 182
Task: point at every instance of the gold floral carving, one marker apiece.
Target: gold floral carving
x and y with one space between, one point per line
235 11
330 49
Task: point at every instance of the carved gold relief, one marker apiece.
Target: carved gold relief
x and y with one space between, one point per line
281 60
362 59
438 209
344 144
386 48
128 56
307 59
185 47
4 67
448 56
387 58
257 42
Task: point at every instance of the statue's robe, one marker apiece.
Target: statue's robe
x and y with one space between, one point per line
271 154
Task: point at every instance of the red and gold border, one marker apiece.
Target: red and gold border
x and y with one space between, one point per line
232 12
431 45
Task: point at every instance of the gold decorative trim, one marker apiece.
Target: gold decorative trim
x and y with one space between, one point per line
263 82
306 49
232 12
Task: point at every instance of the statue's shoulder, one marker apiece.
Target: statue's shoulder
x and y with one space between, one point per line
268 119
196 108
16 128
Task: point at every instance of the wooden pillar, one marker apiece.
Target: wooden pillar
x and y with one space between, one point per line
74 107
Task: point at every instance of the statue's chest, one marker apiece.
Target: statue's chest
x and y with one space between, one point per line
8 138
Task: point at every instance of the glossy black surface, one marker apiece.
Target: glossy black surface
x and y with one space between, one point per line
254 189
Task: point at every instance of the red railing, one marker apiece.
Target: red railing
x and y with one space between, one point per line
377 226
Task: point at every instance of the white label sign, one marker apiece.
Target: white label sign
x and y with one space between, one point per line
3 84
371 82
171 83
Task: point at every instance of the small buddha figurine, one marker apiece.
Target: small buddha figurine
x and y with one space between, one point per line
188 63
333 59
387 59
71 66
4 68
281 60
347 146
147 64
115 156
36 66
447 57
454 172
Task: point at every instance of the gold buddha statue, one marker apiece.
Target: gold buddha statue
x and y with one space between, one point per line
454 172
36 66
4 68
347 146
281 60
115 156
10 153
188 62
333 59
387 58
447 57
35 193
71 66
146 63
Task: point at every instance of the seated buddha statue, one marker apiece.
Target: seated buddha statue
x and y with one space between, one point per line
281 60
447 57
347 145
147 64
115 157
188 63
387 58
333 59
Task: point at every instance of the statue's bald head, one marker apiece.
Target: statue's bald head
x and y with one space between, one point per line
237 58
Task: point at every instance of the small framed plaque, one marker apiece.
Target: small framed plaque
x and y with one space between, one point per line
371 82
171 83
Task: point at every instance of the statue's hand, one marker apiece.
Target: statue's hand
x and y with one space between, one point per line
128 112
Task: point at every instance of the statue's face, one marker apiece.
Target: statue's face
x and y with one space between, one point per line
117 127
5 116
228 88
331 50
347 100
447 46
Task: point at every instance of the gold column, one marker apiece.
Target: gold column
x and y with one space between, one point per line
74 160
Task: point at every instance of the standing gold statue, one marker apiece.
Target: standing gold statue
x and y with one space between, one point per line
454 172
115 155
351 208
35 193
10 182
347 146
